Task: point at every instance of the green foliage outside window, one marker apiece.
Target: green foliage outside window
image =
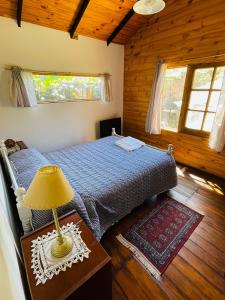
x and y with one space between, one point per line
56 88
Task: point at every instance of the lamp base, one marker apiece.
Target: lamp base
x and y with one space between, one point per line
61 249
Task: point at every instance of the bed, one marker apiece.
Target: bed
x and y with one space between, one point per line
108 181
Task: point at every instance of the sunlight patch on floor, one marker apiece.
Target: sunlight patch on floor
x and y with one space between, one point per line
180 171
207 184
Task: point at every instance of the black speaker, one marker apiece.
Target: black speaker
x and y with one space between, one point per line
107 125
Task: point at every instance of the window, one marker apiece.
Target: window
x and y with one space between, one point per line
172 97
190 98
59 88
203 97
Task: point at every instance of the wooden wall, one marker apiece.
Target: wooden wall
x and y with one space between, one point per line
186 31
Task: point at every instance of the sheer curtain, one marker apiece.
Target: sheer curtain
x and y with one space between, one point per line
217 136
153 119
22 90
106 88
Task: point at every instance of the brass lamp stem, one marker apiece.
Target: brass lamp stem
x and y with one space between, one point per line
63 244
55 215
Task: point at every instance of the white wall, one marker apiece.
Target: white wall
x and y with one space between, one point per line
11 287
52 126
6 292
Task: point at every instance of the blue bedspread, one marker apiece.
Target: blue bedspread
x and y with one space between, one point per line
108 181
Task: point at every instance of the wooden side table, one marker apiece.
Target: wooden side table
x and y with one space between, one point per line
87 280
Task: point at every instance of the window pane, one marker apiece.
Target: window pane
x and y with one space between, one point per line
213 102
218 81
172 97
208 122
64 88
198 100
202 78
194 120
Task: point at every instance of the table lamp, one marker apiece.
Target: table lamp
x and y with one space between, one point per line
49 190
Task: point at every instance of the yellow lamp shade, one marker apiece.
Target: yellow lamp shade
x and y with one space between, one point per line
49 189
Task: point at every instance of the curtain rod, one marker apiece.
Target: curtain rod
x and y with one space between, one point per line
8 68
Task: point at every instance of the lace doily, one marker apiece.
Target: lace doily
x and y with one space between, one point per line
44 265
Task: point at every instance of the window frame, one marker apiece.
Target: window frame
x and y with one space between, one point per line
187 93
67 74
176 66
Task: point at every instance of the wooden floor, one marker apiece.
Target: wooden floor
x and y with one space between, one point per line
197 272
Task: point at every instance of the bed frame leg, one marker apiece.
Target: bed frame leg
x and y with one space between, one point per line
113 132
170 149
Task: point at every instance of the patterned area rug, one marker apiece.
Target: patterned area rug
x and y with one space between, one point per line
157 238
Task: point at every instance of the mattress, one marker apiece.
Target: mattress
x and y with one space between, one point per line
109 182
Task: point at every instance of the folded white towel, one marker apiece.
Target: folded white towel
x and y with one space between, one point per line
129 144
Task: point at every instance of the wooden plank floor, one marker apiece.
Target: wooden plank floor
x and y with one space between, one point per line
197 272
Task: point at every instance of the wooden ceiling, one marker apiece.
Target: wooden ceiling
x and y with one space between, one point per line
99 20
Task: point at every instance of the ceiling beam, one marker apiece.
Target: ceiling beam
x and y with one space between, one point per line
19 12
120 26
81 10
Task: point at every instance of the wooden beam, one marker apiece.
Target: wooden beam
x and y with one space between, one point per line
81 10
120 26
19 12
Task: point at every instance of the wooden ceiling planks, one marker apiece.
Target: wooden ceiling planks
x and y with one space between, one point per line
98 21
55 14
130 29
8 8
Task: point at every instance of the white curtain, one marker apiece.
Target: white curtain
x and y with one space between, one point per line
22 90
153 119
217 136
106 93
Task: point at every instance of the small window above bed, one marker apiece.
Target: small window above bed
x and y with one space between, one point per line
61 88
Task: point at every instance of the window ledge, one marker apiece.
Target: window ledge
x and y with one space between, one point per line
168 130
165 131
69 101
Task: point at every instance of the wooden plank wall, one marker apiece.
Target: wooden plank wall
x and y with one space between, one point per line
186 31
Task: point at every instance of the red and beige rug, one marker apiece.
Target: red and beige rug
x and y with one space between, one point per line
157 238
